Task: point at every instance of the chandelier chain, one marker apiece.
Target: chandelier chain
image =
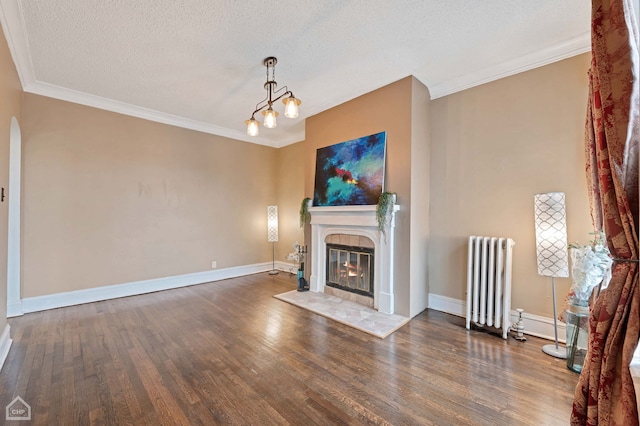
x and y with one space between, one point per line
273 72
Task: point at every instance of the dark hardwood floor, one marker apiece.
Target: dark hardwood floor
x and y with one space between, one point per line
229 353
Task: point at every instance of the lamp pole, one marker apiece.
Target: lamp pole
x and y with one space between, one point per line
555 350
273 261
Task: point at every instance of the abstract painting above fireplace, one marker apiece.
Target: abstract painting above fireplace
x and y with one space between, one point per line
350 173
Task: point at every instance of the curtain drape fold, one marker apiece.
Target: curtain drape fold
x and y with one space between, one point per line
605 394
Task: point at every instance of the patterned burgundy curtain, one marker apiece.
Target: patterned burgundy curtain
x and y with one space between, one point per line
605 393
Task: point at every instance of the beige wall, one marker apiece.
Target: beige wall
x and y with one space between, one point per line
10 106
386 109
290 192
111 199
420 196
492 148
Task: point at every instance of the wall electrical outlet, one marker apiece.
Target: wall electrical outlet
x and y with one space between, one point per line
214 264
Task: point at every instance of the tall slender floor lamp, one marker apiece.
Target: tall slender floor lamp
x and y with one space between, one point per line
551 250
272 234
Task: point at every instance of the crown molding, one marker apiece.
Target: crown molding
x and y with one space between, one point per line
14 31
14 28
572 47
69 95
57 92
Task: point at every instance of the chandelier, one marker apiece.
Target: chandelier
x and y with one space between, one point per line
291 103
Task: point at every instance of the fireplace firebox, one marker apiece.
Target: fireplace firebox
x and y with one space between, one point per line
350 268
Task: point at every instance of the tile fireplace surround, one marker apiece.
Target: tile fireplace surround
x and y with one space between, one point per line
360 221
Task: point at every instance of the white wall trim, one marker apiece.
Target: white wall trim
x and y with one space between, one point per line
69 95
287 267
13 25
447 304
572 47
15 33
534 325
14 309
78 297
539 326
5 345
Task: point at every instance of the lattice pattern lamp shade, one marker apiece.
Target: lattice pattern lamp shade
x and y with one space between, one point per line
551 234
272 224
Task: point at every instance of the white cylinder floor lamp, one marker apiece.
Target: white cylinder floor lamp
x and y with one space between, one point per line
272 234
551 250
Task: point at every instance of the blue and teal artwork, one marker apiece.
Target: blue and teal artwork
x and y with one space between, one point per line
350 173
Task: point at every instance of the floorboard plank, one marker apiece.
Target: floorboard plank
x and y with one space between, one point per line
230 353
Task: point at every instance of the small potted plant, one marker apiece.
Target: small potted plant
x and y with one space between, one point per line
383 208
305 216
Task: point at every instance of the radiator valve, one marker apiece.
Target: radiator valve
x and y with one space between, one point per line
518 328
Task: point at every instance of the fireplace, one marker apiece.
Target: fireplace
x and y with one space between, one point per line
351 223
350 268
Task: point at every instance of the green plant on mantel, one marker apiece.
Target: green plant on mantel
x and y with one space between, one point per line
305 216
385 204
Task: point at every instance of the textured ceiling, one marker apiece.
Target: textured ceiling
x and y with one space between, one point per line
198 63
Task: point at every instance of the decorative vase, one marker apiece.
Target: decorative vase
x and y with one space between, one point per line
577 320
301 270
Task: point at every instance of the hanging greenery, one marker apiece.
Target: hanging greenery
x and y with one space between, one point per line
305 216
385 204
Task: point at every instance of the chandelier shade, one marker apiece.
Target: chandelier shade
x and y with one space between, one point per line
291 107
265 106
252 127
270 118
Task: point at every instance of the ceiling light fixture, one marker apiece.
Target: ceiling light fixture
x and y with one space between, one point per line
291 103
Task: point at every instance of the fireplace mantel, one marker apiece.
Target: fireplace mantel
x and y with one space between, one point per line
355 220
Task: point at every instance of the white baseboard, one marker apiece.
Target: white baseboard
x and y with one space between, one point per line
14 309
534 325
447 304
287 267
78 297
539 326
5 345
